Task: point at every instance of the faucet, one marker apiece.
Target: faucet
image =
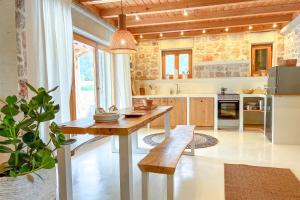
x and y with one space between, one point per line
177 89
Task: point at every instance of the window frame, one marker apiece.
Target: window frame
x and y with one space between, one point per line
96 46
254 47
176 54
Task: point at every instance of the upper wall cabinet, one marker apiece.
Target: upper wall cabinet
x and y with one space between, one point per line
261 59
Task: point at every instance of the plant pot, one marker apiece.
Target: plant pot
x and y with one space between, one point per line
22 188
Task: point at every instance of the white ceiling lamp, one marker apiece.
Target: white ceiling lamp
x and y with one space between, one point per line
274 25
185 13
122 41
250 27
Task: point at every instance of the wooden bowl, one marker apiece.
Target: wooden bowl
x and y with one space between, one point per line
248 91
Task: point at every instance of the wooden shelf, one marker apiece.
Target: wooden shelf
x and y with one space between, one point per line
254 111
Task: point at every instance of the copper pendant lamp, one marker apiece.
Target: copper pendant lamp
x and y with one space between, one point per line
122 41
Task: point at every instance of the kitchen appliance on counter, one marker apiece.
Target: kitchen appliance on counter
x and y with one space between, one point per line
281 81
228 111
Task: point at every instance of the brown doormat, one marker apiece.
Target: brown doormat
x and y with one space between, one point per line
244 182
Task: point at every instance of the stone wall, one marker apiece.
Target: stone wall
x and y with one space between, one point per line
292 45
21 48
147 60
231 51
215 69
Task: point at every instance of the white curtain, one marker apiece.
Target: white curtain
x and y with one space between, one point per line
123 81
50 49
106 79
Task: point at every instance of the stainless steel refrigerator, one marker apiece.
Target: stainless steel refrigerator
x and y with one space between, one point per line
281 81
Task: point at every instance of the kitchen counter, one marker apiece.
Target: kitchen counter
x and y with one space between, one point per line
175 95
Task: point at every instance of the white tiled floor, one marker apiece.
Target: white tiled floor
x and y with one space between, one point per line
95 168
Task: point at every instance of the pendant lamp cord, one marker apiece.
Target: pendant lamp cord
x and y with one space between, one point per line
122 6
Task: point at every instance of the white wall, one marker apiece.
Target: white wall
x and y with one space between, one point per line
204 85
8 60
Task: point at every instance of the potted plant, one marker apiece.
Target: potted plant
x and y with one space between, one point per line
30 171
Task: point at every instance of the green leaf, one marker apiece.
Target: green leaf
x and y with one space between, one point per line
48 162
4 133
68 142
25 123
6 142
54 140
31 88
28 138
24 168
11 100
47 116
11 110
12 173
52 90
4 149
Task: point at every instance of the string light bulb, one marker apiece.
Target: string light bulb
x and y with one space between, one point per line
181 33
274 25
203 31
141 36
185 13
250 27
137 18
161 35
226 29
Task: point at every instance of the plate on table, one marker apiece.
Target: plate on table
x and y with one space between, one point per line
134 114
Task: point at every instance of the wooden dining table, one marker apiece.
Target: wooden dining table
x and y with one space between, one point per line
124 129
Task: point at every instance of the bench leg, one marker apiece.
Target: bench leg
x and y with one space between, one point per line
193 147
170 187
145 182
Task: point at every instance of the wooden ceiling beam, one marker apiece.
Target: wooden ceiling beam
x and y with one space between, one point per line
96 2
211 24
167 7
257 28
206 15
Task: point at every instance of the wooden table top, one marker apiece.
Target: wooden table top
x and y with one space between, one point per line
124 126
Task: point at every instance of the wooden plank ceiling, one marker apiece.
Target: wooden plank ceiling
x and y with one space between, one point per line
149 19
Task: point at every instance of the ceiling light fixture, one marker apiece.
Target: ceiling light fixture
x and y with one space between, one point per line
137 18
226 29
185 13
250 27
141 36
274 25
203 31
161 35
181 33
122 41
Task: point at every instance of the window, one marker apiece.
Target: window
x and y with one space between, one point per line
261 59
177 63
91 72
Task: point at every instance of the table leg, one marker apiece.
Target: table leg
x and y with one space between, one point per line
64 172
125 160
167 124
113 144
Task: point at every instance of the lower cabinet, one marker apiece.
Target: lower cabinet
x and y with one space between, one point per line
202 112
177 115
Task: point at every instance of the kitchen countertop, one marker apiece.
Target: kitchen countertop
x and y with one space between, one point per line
193 95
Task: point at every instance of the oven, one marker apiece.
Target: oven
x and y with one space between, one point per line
228 110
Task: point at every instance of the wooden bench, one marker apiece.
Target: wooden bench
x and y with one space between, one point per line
164 158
